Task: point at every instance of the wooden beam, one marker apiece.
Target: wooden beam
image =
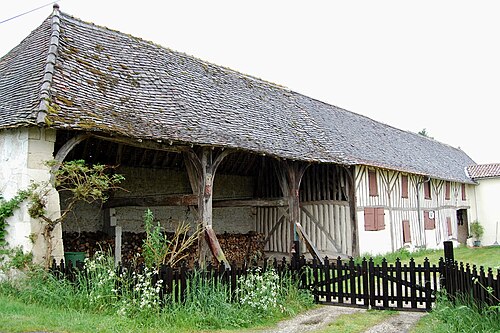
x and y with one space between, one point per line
201 166
151 201
64 151
139 143
213 244
280 202
305 238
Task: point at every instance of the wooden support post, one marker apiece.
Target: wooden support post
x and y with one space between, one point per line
118 244
201 167
290 175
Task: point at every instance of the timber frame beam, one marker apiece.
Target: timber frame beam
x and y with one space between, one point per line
201 165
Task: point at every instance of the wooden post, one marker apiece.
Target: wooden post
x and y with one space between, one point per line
290 175
118 244
448 252
201 167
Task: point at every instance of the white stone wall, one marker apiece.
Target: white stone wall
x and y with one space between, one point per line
149 182
488 209
23 152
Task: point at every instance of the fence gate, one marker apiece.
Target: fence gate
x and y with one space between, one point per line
364 284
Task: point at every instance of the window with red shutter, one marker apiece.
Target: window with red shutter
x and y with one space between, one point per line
429 223
427 190
448 224
404 186
374 219
406 231
372 183
447 190
464 192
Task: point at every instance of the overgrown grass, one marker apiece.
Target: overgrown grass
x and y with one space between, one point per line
487 256
41 302
463 315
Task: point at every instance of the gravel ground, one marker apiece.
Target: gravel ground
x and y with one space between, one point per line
320 317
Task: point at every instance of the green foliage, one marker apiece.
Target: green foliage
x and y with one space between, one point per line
476 230
15 258
158 249
259 290
461 315
87 183
423 132
7 208
131 301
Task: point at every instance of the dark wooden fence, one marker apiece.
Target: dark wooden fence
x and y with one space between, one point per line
385 286
349 283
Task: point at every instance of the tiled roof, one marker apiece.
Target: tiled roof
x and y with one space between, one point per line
484 170
107 81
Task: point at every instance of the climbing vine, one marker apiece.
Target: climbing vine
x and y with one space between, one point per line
7 208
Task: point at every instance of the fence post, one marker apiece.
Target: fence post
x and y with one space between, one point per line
448 252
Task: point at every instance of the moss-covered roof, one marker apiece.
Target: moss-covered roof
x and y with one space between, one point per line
69 74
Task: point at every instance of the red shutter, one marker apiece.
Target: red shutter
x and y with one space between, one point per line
370 219
406 231
404 186
372 183
429 223
464 193
448 224
374 219
380 223
447 190
427 190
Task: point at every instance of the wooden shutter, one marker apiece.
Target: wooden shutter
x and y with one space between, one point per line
447 190
404 186
448 224
429 223
372 183
374 219
370 219
380 218
427 190
464 192
406 231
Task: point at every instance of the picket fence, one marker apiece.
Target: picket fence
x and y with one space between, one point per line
398 286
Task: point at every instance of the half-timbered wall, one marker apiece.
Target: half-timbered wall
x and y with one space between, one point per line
408 203
325 212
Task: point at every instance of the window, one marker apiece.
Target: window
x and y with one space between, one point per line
429 222
448 225
374 219
427 190
372 183
404 186
447 190
464 192
406 231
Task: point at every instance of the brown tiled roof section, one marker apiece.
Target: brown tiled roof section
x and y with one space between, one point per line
107 81
484 170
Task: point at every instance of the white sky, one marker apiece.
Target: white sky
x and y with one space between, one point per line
430 64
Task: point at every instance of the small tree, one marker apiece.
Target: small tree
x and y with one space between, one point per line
158 249
477 230
83 183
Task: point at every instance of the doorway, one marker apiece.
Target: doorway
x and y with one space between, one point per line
462 226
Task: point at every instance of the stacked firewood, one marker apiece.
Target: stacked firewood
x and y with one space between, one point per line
238 248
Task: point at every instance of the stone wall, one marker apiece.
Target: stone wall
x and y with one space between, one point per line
23 153
149 182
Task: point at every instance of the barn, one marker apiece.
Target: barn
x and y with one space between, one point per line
205 144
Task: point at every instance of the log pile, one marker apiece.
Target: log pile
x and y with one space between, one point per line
238 248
